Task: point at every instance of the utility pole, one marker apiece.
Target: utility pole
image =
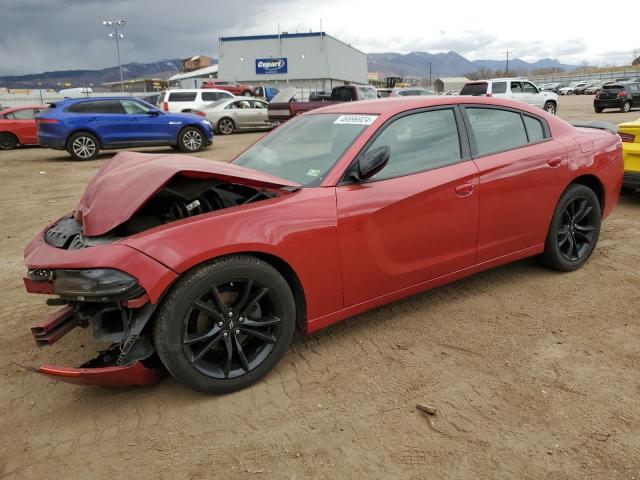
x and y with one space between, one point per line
429 74
114 33
506 69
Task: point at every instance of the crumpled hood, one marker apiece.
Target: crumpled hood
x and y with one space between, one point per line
124 184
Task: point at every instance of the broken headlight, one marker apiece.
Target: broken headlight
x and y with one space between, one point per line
98 284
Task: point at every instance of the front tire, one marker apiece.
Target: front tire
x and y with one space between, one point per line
83 146
574 230
598 109
550 107
225 324
191 139
8 141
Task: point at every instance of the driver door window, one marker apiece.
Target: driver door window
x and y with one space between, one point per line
418 142
134 108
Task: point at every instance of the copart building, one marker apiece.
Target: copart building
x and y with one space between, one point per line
312 60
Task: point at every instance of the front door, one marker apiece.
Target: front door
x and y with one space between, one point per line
417 218
145 126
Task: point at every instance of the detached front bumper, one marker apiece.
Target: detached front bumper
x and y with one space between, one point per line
121 322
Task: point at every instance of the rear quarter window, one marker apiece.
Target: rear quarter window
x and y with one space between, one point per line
474 89
182 96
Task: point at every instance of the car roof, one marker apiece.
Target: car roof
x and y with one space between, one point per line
189 90
20 107
394 105
83 99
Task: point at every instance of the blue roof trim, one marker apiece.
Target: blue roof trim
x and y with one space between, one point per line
271 37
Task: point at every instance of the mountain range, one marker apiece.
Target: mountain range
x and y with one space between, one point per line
414 64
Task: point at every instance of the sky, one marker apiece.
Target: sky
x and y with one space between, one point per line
44 35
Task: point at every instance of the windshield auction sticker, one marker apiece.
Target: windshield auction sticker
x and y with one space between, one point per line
355 119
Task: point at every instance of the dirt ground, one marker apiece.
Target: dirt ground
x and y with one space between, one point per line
535 374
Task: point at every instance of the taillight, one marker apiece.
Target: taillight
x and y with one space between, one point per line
51 121
623 93
198 112
165 106
627 137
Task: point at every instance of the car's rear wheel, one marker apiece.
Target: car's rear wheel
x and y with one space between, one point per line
8 141
225 324
191 139
83 146
574 230
626 107
226 126
598 109
550 107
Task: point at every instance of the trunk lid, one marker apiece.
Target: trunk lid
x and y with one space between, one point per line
124 184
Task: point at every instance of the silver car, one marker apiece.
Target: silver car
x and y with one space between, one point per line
239 113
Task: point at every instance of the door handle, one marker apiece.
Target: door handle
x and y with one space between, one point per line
464 190
554 162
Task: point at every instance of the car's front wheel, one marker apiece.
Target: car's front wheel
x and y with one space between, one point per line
225 324
191 139
574 230
8 141
550 107
83 146
598 109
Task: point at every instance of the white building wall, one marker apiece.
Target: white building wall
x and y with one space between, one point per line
313 61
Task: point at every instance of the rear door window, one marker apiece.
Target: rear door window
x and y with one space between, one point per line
474 89
182 96
496 130
516 87
499 87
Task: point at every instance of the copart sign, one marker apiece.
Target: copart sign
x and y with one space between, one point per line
270 66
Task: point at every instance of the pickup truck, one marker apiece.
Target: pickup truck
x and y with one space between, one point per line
284 106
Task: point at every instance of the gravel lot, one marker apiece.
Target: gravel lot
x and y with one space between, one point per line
535 374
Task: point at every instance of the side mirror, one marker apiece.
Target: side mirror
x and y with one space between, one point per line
370 163
154 113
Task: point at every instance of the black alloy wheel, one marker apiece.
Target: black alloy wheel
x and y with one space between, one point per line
574 230
225 324
7 141
576 235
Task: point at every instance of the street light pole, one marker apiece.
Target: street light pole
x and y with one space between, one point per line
114 33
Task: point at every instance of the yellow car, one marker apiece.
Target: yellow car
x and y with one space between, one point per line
630 134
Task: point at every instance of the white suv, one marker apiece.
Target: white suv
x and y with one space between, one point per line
519 89
184 100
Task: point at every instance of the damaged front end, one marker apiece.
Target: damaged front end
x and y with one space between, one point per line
116 309
101 283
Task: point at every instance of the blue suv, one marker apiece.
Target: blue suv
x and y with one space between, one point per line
84 126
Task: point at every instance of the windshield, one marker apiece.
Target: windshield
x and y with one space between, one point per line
305 148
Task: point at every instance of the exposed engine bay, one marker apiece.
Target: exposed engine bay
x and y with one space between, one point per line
182 197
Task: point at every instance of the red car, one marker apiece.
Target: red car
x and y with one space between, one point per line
206 268
18 127
232 87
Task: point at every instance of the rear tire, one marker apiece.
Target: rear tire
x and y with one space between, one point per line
574 230
226 126
8 141
626 107
225 324
83 146
191 139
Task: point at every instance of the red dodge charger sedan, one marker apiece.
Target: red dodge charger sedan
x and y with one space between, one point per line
205 269
18 126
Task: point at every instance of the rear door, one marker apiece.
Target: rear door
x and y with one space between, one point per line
24 125
634 90
417 218
145 126
516 157
516 92
106 118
